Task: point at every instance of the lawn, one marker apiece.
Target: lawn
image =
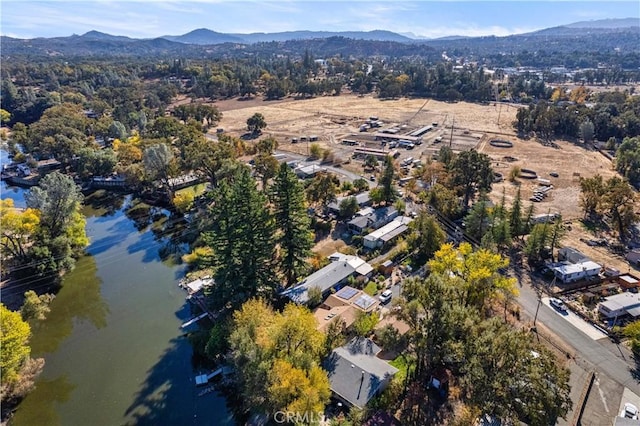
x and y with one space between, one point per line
372 288
197 190
403 365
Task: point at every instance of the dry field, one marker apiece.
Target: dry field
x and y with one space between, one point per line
332 118
570 161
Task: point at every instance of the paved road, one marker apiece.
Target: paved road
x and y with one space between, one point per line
606 357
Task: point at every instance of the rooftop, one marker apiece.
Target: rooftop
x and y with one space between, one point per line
341 267
389 227
627 301
355 373
572 268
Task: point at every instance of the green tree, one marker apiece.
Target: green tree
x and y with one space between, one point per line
256 123
315 151
323 188
266 166
370 162
14 342
365 323
478 220
207 157
426 238
388 193
242 240
157 163
348 207
17 232
472 173
360 185
620 201
57 198
587 131
516 223
35 307
293 238
628 159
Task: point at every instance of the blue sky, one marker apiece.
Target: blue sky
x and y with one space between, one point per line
154 18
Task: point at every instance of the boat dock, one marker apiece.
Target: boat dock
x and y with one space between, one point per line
193 320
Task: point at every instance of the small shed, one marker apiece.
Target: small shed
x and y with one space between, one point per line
627 282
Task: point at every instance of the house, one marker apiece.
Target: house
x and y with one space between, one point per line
571 255
356 374
373 219
544 218
362 199
387 233
619 305
344 305
337 272
307 172
570 272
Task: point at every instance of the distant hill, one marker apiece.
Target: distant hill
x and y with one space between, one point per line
97 35
376 35
205 36
607 23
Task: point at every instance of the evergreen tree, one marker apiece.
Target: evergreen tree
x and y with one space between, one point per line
427 237
292 221
477 221
242 242
515 216
386 182
472 173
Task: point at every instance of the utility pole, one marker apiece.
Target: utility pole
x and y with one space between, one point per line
453 122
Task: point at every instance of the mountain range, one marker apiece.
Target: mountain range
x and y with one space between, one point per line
621 34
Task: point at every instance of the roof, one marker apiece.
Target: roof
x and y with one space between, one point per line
341 267
633 256
572 255
361 198
389 227
394 233
572 268
630 302
355 373
195 286
628 279
360 221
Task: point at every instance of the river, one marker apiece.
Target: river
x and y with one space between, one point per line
112 342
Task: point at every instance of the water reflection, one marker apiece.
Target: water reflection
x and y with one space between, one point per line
80 301
41 407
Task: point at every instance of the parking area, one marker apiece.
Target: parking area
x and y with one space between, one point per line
576 321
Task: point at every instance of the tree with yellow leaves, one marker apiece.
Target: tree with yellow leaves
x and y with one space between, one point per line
475 274
277 357
17 227
14 349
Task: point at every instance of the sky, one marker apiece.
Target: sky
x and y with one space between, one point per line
155 18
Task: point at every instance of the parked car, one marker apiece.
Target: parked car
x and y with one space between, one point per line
558 304
385 297
629 411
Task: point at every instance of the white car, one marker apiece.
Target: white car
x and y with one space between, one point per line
629 411
558 304
385 296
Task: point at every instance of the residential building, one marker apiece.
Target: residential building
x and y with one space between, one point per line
356 374
619 305
571 255
344 306
373 219
387 233
571 272
362 199
330 277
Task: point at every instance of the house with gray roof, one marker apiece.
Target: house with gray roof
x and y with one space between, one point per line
356 374
362 199
373 219
337 272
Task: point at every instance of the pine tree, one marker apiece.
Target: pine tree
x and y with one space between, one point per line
386 182
292 221
515 217
242 242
